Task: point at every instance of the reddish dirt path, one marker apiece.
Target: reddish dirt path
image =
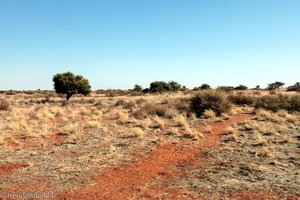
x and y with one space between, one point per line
7 169
126 180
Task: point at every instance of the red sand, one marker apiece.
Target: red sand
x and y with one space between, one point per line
124 181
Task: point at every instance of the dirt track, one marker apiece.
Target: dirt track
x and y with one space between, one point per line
124 181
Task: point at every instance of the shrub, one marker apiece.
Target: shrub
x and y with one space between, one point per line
205 86
120 102
182 105
4 105
140 101
295 87
241 87
279 102
294 103
138 88
210 99
152 110
69 84
225 88
240 99
146 90
129 105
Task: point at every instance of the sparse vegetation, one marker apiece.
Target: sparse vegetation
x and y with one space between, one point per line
125 128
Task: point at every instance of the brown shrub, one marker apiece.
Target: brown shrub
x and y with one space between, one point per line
4 105
129 105
140 101
150 110
279 102
120 102
241 99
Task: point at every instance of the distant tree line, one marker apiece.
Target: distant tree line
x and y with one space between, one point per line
69 84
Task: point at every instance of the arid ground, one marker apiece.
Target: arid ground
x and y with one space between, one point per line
146 147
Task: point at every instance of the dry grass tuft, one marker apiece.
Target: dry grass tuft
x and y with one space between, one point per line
260 140
267 152
161 122
124 117
138 132
93 124
181 120
210 114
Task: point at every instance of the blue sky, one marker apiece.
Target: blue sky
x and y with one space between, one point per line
119 43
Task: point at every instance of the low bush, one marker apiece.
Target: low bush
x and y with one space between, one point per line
151 110
241 99
4 105
120 102
279 102
216 101
129 105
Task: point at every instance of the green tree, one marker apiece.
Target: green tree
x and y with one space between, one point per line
241 87
205 86
137 88
69 84
174 86
159 86
275 86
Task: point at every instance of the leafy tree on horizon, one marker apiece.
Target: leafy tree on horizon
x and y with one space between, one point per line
159 86
205 86
174 86
275 86
137 88
241 87
69 84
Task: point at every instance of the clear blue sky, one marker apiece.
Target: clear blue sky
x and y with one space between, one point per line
119 43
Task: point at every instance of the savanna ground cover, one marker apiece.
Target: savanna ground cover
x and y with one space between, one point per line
182 145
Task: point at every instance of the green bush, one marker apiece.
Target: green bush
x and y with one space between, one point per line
241 99
279 102
210 99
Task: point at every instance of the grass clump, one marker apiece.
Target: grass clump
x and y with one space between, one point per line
216 101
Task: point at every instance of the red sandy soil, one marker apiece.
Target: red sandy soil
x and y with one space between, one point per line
124 181
7 169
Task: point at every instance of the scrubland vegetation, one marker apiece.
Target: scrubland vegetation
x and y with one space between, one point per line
203 143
